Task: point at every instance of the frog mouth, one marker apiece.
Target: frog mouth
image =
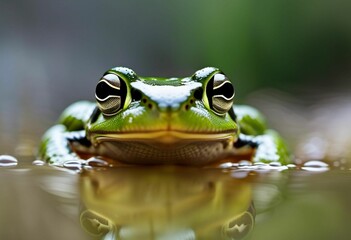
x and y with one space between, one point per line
165 136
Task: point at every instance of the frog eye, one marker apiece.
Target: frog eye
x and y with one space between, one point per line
110 94
220 94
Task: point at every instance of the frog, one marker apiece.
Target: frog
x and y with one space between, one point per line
157 120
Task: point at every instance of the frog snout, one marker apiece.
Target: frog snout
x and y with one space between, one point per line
171 107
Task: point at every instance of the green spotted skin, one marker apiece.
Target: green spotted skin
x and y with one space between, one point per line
187 121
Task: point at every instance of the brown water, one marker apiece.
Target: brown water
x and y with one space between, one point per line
226 202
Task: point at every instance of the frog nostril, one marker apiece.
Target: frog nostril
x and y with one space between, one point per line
149 106
187 107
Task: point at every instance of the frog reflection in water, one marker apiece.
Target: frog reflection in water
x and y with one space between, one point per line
166 203
139 120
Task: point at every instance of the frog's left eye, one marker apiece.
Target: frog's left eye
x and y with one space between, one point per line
220 94
110 94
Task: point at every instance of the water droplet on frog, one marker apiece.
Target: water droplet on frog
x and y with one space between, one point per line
7 161
96 162
315 166
38 162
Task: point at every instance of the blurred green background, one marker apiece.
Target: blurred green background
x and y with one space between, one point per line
53 52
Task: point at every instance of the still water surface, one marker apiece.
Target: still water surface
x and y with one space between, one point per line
129 202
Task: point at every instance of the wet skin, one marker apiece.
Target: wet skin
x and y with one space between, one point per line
148 120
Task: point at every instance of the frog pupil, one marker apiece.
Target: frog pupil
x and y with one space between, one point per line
103 90
226 90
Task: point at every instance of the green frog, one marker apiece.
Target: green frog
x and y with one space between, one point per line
149 120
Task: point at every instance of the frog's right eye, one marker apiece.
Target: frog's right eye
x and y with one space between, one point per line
219 94
111 93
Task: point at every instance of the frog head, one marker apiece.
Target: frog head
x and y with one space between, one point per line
159 116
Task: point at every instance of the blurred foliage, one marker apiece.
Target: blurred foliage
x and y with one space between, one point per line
281 44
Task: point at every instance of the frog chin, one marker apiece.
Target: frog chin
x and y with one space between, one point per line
165 147
165 137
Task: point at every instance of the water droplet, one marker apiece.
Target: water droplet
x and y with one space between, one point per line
291 166
38 162
96 162
75 165
282 168
244 163
8 161
235 164
259 164
275 164
86 167
226 165
315 163
315 166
